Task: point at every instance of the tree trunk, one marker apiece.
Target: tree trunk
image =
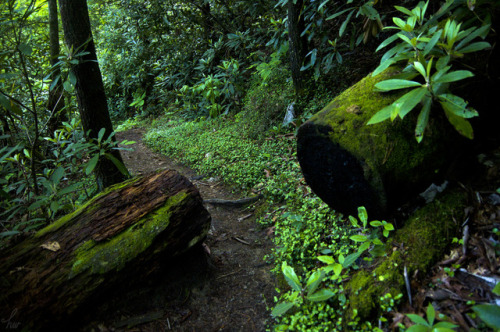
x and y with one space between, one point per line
349 164
89 87
121 235
298 45
55 103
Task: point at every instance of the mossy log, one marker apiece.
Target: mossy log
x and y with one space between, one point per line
417 246
348 163
121 235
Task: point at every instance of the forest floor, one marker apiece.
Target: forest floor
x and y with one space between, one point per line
223 286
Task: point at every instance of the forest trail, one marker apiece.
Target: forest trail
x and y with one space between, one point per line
226 286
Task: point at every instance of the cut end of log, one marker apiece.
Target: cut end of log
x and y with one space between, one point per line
334 174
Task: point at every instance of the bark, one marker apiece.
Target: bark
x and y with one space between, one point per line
298 44
89 87
349 164
122 235
55 103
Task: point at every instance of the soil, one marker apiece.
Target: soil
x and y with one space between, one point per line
223 285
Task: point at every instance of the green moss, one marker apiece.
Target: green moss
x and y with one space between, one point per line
425 238
101 257
366 288
430 230
87 207
391 159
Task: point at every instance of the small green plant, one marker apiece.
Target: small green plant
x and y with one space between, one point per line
427 49
427 325
299 293
369 239
138 101
489 313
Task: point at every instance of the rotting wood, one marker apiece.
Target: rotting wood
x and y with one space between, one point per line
121 235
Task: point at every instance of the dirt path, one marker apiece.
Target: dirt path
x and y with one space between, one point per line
224 286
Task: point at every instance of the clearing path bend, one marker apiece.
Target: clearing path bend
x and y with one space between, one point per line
224 286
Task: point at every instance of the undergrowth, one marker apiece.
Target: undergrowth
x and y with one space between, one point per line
304 226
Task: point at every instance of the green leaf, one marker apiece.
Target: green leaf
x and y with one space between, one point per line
281 308
25 49
9 233
314 281
344 24
408 101
383 66
57 175
444 326
68 189
404 10
359 238
417 319
496 289
387 42
475 47
321 295
364 246
363 215
420 68
432 42
442 62
353 221
454 76
396 84
381 115
338 14
456 105
326 259
376 223
349 260
68 87
431 314
399 22
72 78
389 226
91 164
290 277
481 32
417 328
337 269
121 167
489 314
461 125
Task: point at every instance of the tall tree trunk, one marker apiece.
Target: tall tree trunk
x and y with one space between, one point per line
298 45
55 104
89 87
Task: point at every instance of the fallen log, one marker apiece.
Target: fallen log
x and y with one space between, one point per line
349 164
121 235
423 240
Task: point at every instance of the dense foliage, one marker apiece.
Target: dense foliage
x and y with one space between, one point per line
225 67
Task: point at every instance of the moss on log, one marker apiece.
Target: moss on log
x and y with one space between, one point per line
349 164
122 234
418 245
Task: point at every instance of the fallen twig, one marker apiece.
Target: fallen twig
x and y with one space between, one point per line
240 240
237 202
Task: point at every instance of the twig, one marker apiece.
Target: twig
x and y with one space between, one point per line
237 202
240 240
408 287
245 217
227 275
